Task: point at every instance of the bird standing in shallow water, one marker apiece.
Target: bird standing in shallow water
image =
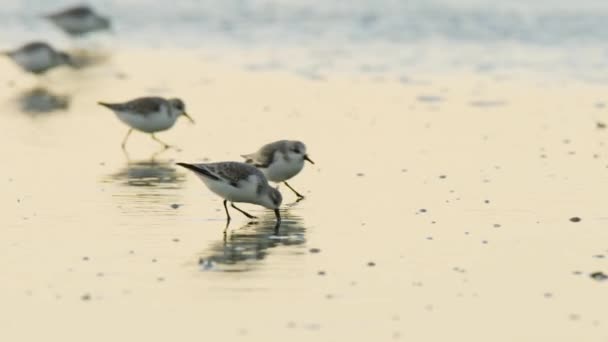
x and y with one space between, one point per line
79 20
280 161
38 57
149 115
238 182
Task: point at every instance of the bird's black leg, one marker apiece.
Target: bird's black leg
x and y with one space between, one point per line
243 211
165 145
278 216
227 213
294 191
124 141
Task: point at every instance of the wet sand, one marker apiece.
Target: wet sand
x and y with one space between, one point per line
439 208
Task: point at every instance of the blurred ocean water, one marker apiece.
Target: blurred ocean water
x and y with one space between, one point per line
371 35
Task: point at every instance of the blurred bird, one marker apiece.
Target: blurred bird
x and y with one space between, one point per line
149 115
78 20
238 182
280 161
38 57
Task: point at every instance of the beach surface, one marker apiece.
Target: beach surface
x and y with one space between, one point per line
463 206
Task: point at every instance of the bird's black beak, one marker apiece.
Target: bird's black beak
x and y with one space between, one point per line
188 117
308 159
278 215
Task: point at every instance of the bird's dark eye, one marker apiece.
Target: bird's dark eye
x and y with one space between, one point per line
297 150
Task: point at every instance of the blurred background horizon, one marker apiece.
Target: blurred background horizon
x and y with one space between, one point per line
314 37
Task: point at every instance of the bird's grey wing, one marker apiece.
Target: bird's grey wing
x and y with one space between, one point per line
78 11
234 172
265 156
34 47
145 105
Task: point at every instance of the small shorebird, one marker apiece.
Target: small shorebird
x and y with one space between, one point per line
78 20
38 57
149 115
238 182
280 161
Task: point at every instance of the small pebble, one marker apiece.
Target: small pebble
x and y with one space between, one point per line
174 205
575 219
599 276
314 250
600 125
371 264
443 177
321 273
175 240
360 174
85 297
496 225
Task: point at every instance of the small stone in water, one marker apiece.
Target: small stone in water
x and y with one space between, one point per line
575 219
174 205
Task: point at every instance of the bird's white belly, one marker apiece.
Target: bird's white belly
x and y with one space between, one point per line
149 123
246 192
282 170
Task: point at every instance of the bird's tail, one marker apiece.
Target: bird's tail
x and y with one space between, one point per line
199 170
248 158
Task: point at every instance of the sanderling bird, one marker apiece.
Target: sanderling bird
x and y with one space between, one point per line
149 115
280 161
238 182
38 57
79 20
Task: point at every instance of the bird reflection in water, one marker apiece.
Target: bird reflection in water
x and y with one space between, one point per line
41 100
151 173
241 249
